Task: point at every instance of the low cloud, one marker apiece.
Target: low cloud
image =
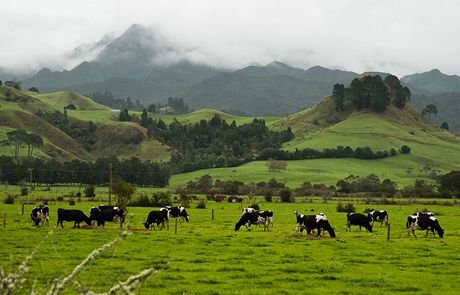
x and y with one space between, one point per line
358 35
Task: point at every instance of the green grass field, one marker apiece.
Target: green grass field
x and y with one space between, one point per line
209 257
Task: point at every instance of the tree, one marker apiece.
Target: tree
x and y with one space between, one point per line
429 109
123 192
405 149
124 116
276 165
32 141
399 95
338 93
144 118
14 84
33 89
18 138
445 126
450 183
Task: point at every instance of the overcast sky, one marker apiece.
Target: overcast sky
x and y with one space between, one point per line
401 37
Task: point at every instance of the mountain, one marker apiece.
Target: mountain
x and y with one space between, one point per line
434 82
274 89
134 60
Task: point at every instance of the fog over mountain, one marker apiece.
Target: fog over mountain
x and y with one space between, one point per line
391 36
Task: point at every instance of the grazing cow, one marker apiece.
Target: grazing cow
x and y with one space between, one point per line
423 213
176 212
311 222
101 216
156 217
249 210
423 222
262 217
381 216
40 214
77 216
358 219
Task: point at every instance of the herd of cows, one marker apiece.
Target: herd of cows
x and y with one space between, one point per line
319 222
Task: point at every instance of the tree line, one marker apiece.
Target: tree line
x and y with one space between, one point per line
371 92
19 138
50 171
338 152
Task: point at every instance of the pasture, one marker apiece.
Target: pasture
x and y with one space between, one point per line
209 257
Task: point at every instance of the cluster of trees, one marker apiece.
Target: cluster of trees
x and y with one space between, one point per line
173 106
338 152
369 184
80 131
371 92
19 138
107 98
14 84
214 142
51 171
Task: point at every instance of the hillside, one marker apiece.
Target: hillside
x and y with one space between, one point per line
21 110
321 127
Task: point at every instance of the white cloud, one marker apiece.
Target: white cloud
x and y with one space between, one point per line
397 36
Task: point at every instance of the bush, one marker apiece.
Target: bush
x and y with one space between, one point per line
24 191
9 200
405 149
286 195
90 191
185 200
60 198
349 208
201 204
268 198
255 206
142 201
161 199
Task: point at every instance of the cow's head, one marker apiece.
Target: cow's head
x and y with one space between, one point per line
183 213
146 224
94 215
441 232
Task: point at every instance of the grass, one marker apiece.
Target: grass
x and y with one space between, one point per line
208 257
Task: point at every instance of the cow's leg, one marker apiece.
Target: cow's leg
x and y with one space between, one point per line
359 227
413 232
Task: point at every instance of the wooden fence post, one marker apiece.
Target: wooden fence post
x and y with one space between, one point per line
388 232
175 227
212 214
4 220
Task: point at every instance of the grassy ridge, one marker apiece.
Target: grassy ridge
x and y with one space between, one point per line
208 255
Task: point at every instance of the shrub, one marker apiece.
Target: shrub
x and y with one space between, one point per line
161 199
9 200
347 208
60 198
90 191
142 201
405 149
24 191
201 204
255 206
185 200
286 195
268 198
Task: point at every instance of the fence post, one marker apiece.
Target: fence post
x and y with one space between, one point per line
4 220
212 214
388 232
175 227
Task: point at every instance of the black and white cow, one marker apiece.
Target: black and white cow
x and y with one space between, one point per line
156 217
423 222
176 212
262 217
77 216
380 216
423 213
311 222
101 216
249 210
40 214
359 220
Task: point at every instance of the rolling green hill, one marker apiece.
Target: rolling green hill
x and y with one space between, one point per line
321 127
18 110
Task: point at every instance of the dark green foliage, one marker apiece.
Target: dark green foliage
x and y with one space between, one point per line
107 98
8 200
445 126
51 171
124 116
338 93
14 84
286 195
201 204
399 95
338 152
449 184
348 208
367 92
405 149
123 192
420 189
33 89
80 131
24 191
429 110
70 106
369 184
90 191
161 199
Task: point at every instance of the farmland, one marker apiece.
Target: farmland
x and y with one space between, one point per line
208 257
